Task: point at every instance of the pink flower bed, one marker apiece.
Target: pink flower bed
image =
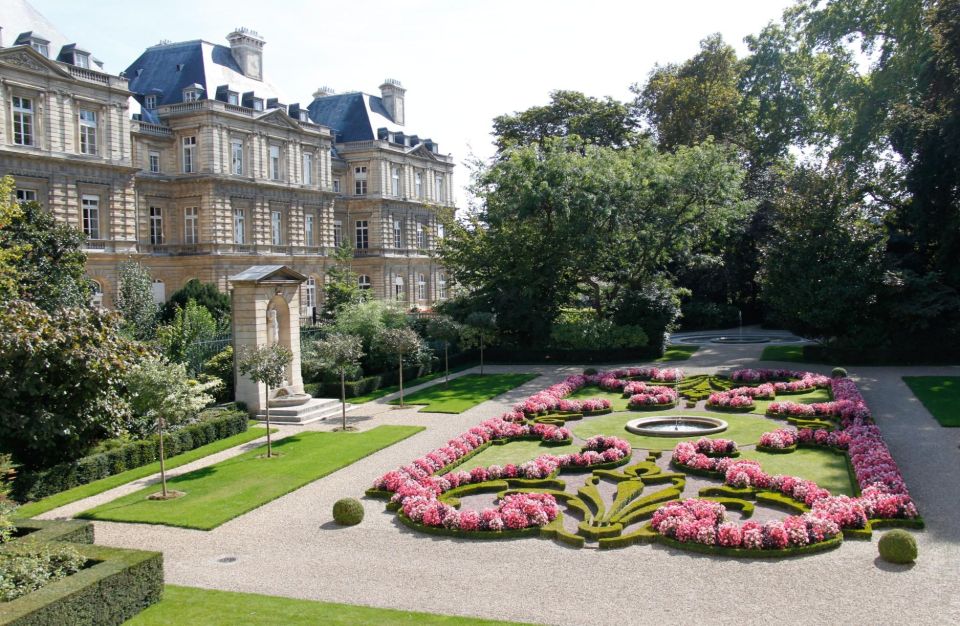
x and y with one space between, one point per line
551 433
779 439
616 380
553 398
653 396
730 400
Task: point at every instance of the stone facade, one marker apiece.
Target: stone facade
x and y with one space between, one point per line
206 180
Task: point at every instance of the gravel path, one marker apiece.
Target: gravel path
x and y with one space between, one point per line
290 547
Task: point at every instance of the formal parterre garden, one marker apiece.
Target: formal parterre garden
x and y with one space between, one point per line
800 468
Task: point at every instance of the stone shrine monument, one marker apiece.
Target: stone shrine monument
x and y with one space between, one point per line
266 312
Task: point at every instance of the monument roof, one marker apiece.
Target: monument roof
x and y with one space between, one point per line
268 274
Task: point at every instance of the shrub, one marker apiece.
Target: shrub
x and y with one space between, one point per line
839 372
898 546
590 371
348 512
581 329
220 366
28 566
206 295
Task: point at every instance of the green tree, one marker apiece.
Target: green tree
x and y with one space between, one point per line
397 342
340 353
161 394
266 365
10 212
367 319
206 295
181 339
341 288
604 122
135 301
444 328
61 381
479 330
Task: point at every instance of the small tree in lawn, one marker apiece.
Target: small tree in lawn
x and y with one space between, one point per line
399 341
341 352
266 365
162 394
480 330
446 329
135 301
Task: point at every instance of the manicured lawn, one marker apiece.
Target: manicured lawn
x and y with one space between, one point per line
515 452
812 397
743 428
383 391
187 605
104 484
221 492
617 401
791 354
465 392
940 395
827 469
677 353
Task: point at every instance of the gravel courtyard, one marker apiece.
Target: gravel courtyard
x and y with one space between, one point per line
290 547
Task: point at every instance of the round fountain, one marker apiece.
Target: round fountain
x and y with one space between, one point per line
676 426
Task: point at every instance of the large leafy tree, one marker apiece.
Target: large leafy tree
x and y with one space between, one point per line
205 294
135 301
61 381
341 289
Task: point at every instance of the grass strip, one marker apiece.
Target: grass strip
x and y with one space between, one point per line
465 392
221 492
384 391
187 605
940 395
63 498
677 353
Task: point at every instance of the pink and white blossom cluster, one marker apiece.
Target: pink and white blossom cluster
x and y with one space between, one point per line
779 439
616 380
653 396
553 398
730 400
513 512
551 433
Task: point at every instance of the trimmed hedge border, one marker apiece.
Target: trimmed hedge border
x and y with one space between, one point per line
727 409
116 586
653 407
37 484
740 553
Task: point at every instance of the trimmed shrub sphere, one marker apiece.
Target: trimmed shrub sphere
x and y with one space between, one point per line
347 512
839 372
898 546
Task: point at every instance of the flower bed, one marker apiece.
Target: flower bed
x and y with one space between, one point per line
652 398
730 401
784 376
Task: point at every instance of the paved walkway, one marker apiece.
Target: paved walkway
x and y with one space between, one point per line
290 547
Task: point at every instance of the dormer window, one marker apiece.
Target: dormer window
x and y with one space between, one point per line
81 59
41 45
304 117
191 95
150 102
258 104
233 97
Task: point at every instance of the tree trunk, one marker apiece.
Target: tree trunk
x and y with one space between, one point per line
446 363
269 447
401 380
481 357
163 467
343 399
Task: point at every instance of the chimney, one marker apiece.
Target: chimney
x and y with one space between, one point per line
247 48
323 92
391 91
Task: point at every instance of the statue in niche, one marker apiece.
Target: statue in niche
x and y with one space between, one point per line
273 327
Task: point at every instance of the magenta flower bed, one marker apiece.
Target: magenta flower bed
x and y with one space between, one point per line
646 396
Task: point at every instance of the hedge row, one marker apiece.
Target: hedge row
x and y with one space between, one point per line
37 484
116 585
363 386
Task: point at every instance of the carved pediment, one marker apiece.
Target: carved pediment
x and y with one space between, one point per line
27 58
277 117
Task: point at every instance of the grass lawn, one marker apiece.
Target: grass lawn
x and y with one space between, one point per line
383 391
677 353
516 452
187 605
827 469
221 492
465 392
940 395
788 353
811 397
617 401
743 428
99 486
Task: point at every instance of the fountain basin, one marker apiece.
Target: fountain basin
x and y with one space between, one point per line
676 426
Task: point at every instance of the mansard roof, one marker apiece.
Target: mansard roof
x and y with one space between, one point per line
21 22
352 116
167 69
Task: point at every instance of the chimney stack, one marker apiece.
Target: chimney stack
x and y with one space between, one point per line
247 48
323 92
392 92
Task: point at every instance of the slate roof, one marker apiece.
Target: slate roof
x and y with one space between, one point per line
268 273
167 69
20 21
352 116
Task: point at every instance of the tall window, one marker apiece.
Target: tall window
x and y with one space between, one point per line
239 226
421 287
360 180
395 181
310 294
88 131
26 195
438 179
191 225
398 289
418 184
189 155
153 161
363 235
276 226
308 230
363 281
336 185
23 121
150 102
397 233
440 231
307 168
156 225
421 237
337 233
274 162
91 216
441 286
236 156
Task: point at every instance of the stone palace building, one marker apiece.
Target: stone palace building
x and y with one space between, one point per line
192 162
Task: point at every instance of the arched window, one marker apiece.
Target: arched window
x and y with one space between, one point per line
398 288
363 281
159 291
96 297
421 287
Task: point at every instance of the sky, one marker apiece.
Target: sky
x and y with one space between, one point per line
462 62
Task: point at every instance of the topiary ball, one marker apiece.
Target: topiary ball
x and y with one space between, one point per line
590 371
347 512
839 372
898 546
